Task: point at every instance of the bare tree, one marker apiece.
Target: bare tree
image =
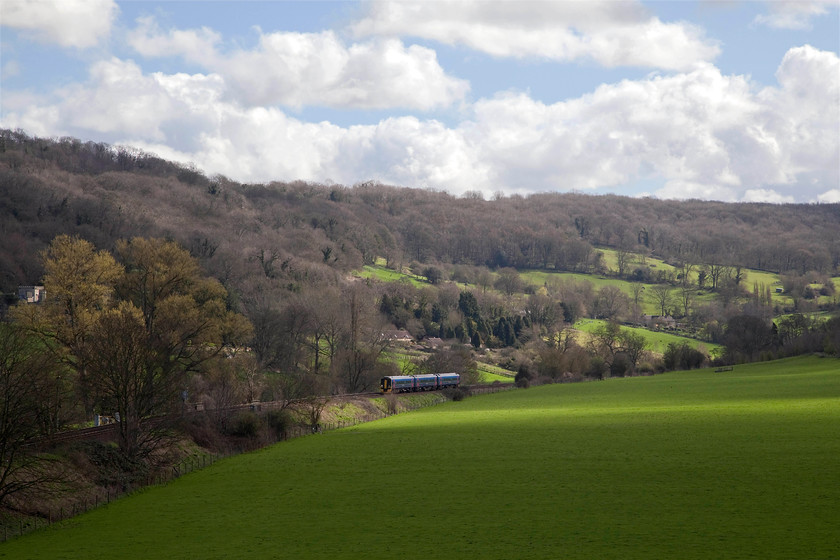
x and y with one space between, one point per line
623 257
484 279
508 281
327 323
634 345
606 341
542 310
610 303
637 290
718 273
661 295
23 368
686 298
683 272
362 342
456 359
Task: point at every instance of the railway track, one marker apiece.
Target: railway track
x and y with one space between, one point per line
104 433
109 432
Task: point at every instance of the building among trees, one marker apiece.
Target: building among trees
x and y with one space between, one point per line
32 294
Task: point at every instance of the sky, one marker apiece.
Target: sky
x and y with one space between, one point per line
714 100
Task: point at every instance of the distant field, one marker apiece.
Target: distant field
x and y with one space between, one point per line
658 341
649 307
405 359
689 465
541 277
610 259
490 373
380 272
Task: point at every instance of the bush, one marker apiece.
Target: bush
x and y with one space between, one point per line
597 368
457 394
571 377
204 431
245 424
524 376
279 421
111 467
683 356
620 365
646 368
391 402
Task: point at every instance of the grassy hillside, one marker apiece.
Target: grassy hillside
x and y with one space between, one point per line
542 277
657 341
384 274
490 373
683 465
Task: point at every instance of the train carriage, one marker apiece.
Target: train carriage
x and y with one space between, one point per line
449 380
414 383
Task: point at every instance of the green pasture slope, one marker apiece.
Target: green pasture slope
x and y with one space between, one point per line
490 373
648 306
657 341
741 464
382 273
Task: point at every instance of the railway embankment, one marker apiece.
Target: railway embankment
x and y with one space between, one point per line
94 474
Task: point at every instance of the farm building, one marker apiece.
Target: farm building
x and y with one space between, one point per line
659 321
32 294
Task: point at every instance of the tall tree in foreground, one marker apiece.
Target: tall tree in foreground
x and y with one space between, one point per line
170 321
24 376
135 332
79 281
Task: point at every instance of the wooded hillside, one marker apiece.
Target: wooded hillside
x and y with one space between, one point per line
294 234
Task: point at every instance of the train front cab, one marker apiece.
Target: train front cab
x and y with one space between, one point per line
385 384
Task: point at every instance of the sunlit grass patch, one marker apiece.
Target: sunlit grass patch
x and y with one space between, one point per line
657 341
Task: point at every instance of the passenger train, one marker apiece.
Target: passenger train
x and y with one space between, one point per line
414 383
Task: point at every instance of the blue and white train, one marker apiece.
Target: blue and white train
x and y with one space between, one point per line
414 383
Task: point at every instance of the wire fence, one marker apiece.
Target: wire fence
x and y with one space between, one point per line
101 497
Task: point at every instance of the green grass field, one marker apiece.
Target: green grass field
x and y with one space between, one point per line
490 373
657 341
648 305
382 273
743 464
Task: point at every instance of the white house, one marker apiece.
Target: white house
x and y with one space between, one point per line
32 294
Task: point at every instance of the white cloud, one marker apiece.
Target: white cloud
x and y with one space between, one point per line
793 14
684 190
297 69
802 116
195 45
766 195
68 23
830 197
408 151
678 127
700 134
119 99
607 32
